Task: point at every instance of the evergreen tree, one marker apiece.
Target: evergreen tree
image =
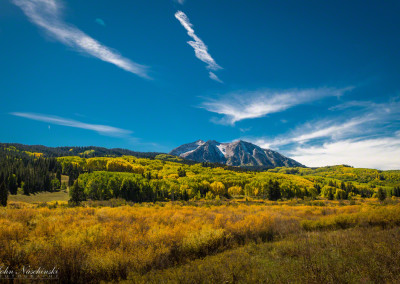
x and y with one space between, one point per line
58 175
12 184
396 191
126 189
3 192
181 172
148 175
381 194
26 187
277 191
317 187
274 191
76 193
330 195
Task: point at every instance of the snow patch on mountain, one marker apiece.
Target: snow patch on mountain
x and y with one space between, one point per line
187 148
222 148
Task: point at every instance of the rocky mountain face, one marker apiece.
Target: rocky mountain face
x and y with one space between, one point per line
238 153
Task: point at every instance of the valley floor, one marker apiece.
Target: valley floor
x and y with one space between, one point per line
362 255
40 197
219 241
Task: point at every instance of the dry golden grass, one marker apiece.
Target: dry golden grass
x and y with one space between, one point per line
359 255
103 243
40 197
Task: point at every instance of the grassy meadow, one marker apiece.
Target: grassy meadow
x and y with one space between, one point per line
40 197
206 241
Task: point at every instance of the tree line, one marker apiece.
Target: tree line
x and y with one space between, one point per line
102 185
140 179
26 171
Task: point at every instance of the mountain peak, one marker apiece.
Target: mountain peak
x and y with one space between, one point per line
237 153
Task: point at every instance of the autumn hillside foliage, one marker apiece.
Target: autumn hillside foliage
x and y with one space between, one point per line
139 180
164 177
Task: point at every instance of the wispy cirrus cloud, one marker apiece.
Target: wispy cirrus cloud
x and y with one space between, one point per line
367 138
375 119
246 105
214 77
310 131
200 49
352 104
46 14
101 129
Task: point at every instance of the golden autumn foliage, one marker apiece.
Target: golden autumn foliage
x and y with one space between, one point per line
218 188
165 174
121 165
34 154
235 190
91 244
191 181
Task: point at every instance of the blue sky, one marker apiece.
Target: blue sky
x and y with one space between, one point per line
315 80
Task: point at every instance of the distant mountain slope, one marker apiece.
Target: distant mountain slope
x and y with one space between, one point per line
238 153
87 151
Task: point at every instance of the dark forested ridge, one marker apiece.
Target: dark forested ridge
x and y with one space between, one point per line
85 151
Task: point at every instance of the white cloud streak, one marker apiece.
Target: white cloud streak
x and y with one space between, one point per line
353 104
246 105
214 77
200 49
101 129
319 130
331 131
378 153
373 121
47 15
